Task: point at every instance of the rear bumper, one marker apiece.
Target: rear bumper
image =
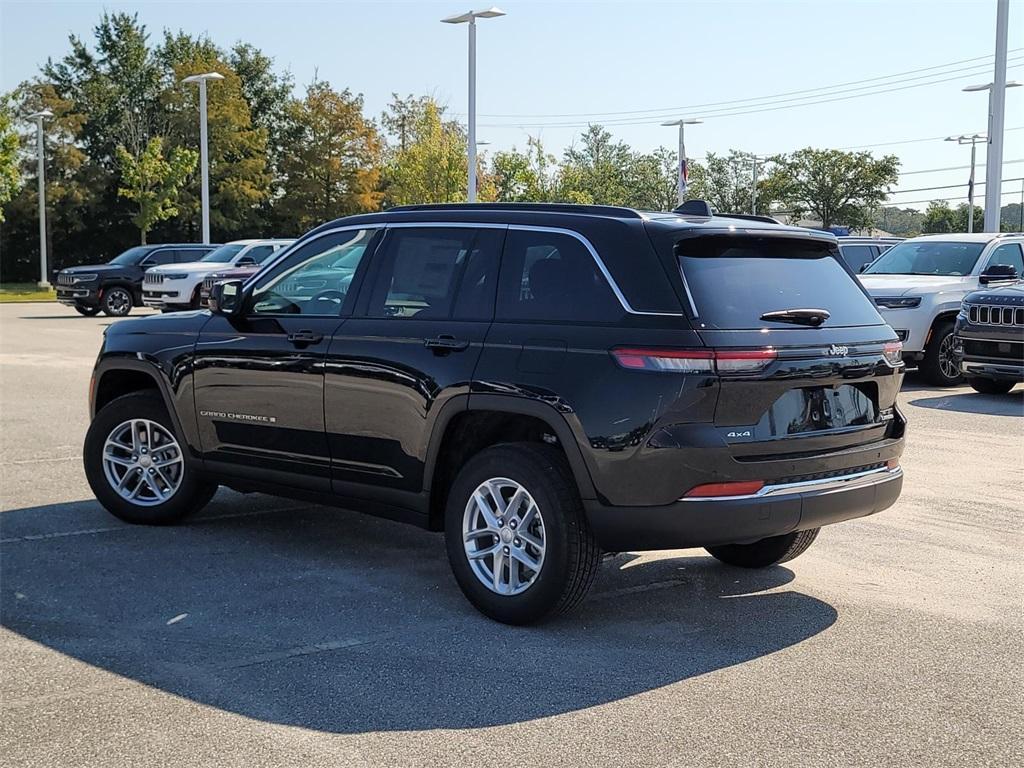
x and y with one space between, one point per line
773 511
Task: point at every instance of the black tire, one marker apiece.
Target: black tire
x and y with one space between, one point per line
193 491
87 311
991 386
117 301
935 367
196 301
571 554
766 552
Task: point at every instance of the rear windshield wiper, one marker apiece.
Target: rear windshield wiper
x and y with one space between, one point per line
811 317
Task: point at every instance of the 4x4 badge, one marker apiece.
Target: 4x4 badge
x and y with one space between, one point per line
839 350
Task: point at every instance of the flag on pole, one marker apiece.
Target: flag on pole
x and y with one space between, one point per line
683 177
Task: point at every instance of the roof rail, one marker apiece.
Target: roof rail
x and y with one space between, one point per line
590 210
748 217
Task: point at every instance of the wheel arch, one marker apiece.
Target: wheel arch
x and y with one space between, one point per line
117 377
475 422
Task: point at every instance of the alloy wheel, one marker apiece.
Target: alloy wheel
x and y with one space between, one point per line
947 361
119 302
504 537
143 462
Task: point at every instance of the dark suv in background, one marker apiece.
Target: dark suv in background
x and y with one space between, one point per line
989 342
541 382
116 287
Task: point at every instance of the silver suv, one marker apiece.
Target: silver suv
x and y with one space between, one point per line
919 284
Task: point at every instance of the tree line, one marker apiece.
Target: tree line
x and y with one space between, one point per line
121 156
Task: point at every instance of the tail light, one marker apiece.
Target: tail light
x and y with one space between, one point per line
744 488
694 360
893 353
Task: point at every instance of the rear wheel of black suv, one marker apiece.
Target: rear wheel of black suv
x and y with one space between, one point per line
117 302
766 552
136 466
939 366
517 536
990 386
87 311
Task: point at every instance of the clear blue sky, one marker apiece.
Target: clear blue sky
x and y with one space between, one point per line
585 58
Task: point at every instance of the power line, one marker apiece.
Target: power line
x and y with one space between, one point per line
947 186
924 139
755 98
736 113
955 168
897 203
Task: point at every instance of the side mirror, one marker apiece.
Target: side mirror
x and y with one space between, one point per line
226 298
998 273
246 261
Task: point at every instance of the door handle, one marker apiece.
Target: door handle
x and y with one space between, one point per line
304 338
445 343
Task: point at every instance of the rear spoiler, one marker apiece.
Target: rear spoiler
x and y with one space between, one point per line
702 208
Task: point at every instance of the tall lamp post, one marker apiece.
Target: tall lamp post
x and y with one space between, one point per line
994 157
38 117
973 141
681 184
470 17
204 155
753 184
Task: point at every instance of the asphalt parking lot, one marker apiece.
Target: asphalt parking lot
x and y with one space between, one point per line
271 632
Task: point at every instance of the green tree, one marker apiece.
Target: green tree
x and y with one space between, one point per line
651 180
938 218
595 171
429 163
10 176
726 182
523 177
832 186
960 217
332 167
152 181
904 222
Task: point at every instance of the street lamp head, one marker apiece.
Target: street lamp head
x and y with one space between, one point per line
40 115
205 76
462 18
684 121
988 86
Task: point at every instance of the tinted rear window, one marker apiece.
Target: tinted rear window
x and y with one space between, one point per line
734 280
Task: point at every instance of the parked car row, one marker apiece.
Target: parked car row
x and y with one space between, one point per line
166 276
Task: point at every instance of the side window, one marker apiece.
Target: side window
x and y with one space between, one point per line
157 257
188 255
552 276
315 279
1008 254
857 255
418 272
259 253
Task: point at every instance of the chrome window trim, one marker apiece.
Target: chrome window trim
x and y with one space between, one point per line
602 267
843 482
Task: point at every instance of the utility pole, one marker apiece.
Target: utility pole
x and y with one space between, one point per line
38 117
997 121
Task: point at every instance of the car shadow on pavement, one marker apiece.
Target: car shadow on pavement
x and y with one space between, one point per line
334 621
1011 404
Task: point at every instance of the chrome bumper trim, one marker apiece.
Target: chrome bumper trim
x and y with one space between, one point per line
845 482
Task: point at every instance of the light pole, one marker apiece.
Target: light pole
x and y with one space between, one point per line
204 154
973 141
753 184
462 18
681 184
994 158
38 117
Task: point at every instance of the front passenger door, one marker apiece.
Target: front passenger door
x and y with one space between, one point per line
259 377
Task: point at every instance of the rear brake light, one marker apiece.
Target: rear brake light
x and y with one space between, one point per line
745 488
893 352
694 360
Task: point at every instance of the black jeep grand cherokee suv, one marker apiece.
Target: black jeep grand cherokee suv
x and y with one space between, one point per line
116 287
540 382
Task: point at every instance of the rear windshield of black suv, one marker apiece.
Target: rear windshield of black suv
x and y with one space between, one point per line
733 280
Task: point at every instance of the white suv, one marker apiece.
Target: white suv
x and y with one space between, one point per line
176 286
918 286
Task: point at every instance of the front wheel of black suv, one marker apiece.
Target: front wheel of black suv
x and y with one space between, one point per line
87 311
117 302
939 366
990 386
517 537
136 465
766 552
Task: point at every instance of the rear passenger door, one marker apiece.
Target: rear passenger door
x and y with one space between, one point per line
412 345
